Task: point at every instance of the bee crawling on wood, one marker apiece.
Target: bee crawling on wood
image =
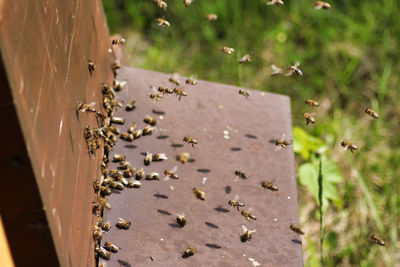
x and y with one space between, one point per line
198 193
248 215
131 105
111 247
153 176
148 158
241 174
104 254
148 130
134 184
312 103
190 251
269 186
118 158
159 157
156 97
322 5
165 90
236 203
140 174
190 140
179 93
91 66
120 41
118 120
97 233
123 224
247 234
100 204
378 240
372 113
171 173
245 59
82 107
191 81
349 146
296 228
245 93
181 220
309 118
150 120
127 137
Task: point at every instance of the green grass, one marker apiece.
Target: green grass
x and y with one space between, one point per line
350 60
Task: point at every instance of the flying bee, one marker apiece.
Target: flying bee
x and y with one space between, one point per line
308 118
131 105
174 79
118 120
269 186
120 41
246 236
148 130
183 157
119 85
236 203
181 220
161 4
282 143
139 174
191 81
312 103
378 240
294 69
241 174
275 2
134 184
276 70
190 250
127 137
372 113
322 5
227 50
150 120
156 97
211 17
245 59
91 66
171 173
244 93
163 23
111 247
123 224
117 185
153 176
138 133
296 228
118 158
349 146
165 90
248 215
198 193
148 158
97 233
104 254
187 2
190 140
82 107
159 157
180 93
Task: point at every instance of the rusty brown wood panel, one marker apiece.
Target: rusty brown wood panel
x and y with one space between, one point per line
213 227
45 46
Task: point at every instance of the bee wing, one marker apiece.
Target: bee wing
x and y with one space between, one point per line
252 231
270 3
174 169
297 64
244 229
236 197
277 148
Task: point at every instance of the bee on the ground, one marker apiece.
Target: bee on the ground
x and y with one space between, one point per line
296 228
150 120
236 203
107 181
118 85
124 165
174 80
106 226
138 133
123 224
118 120
161 4
156 97
181 220
165 90
198 193
163 23
120 41
159 157
241 174
187 2
105 191
348 146
117 186
378 240
312 103
103 253
294 69
114 130
180 93
248 215
244 93
148 158
118 158
132 128
171 173
183 157
276 70
372 113
96 186
191 81
190 250
88 132
211 17
322 5
275 2
246 235
127 137
153 176
129 172
82 107
115 66
190 140
140 174
148 130
91 66
114 173
131 105
245 59
269 186
227 50
111 247
134 184
97 233
309 118
101 203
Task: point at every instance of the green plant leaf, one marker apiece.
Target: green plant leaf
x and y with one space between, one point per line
304 144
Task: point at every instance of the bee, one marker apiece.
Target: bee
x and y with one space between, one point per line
161 4
132 128
148 130
139 174
129 172
134 184
101 203
183 157
97 233
171 173
153 176
118 120
236 203
269 186
241 174
105 191
111 247
124 165
372 113
120 41
294 69
190 140
245 93
349 146
96 186
127 137
245 59
82 107
123 224
282 143
107 181
148 158
174 80
276 70
180 93
150 120
190 250
248 215
118 158
227 50
138 133
191 81
159 157
198 193
187 2
275 2
156 97
163 23
296 228
246 236
103 253
114 130
322 5
106 226
91 66
181 220
115 173
117 186
131 105
308 118
312 103
211 17
118 85
165 90
378 240
115 66
88 132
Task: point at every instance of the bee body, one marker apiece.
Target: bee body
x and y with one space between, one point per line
349 146
198 193
190 251
247 234
123 224
248 215
190 140
241 174
150 120
228 50
181 220
111 247
163 23
120 41
104 254
269 186
180 93
378 240
211 17
372 113
131 106
322 5
296 228
153 176
245 93
245 59
312 103
309 118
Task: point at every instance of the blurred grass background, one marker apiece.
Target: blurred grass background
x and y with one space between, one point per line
350 60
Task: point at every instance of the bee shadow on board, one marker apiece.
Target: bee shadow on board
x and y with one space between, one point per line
204 170
213 246
160 196
174 225
124 263
228 189
158 112
221 209
130 146
175 145
235 149
296 241
251 136
164 212
209 224
272 141
162 137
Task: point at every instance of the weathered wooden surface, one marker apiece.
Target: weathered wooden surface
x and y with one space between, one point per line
45 47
